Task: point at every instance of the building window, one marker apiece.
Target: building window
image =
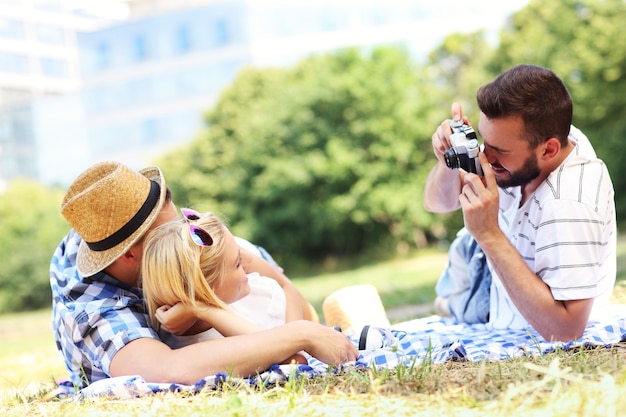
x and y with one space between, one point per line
54 35
149 131
140 50
13 63
53 67
183 42
221 32
102 56
11 28
50 5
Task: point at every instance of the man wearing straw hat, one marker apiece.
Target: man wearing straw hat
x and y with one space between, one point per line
100 322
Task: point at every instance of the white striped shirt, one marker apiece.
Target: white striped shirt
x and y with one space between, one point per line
565 232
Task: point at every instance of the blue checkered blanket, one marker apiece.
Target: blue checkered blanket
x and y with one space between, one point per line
432 338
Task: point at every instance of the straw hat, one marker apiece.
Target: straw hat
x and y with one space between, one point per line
354 307
111 207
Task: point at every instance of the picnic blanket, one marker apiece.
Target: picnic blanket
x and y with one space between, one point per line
433 338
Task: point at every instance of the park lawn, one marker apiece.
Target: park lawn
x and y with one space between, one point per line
400 282
587 382
28 355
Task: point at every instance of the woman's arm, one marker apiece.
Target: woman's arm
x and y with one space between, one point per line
179 319
183 319
225 321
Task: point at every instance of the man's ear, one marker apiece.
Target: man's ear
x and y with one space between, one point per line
551 149
129 257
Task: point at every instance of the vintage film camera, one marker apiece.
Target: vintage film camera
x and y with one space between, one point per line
464 150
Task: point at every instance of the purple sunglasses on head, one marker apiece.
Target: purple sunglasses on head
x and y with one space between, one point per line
199 236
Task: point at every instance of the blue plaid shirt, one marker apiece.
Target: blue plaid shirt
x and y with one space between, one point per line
92 318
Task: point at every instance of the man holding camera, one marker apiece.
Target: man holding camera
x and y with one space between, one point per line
543 212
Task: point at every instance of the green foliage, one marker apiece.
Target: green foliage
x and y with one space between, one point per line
329 157
459 63
31 228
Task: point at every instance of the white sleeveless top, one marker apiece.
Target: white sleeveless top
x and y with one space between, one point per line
265 306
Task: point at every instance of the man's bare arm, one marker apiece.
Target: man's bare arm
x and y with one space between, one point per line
242 356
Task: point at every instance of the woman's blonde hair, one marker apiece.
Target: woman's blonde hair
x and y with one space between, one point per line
176 269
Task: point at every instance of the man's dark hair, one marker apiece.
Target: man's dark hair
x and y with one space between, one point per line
536 95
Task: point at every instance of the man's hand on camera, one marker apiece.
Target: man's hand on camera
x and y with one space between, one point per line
479 200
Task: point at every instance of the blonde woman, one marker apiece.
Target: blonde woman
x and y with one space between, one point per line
196 287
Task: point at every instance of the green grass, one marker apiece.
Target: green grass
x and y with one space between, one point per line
402 281
584 382
28 355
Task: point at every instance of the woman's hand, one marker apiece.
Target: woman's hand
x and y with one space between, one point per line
176 319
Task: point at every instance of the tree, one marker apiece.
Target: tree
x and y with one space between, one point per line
329 157
31 228
459 65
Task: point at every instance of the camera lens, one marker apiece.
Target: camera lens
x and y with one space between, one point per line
451 158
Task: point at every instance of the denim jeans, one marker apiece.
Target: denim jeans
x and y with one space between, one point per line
466 281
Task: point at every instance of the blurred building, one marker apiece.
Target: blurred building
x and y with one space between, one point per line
38 57
145 81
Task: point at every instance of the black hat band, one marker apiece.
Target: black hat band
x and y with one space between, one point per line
132 225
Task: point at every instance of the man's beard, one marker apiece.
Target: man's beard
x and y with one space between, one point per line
528 172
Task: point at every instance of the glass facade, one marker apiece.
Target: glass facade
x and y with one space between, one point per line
162 37
50 34
149 81
54 67
17 123
12 28
38 57
13 63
